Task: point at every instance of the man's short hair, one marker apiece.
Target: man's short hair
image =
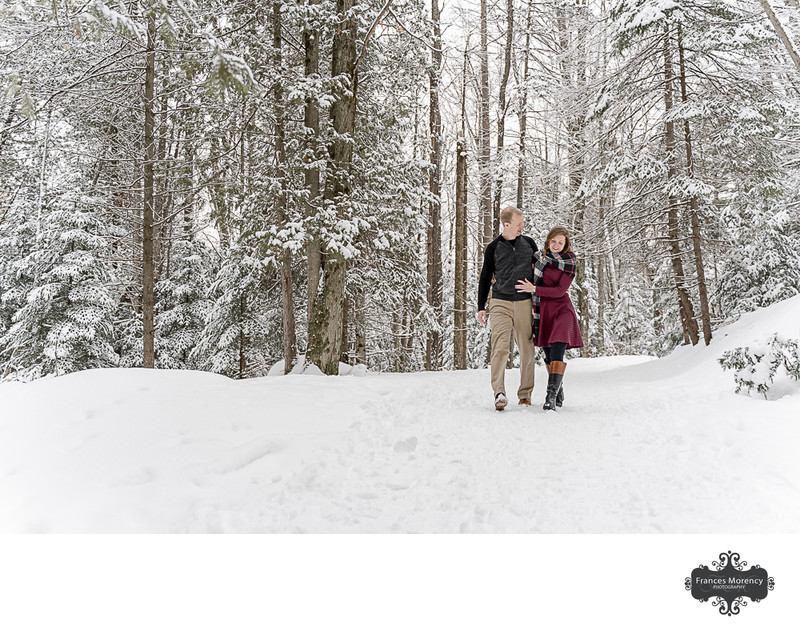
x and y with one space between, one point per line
507 213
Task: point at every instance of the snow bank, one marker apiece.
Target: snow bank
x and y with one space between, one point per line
701 363
641 446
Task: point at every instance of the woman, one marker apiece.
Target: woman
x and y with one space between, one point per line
555 324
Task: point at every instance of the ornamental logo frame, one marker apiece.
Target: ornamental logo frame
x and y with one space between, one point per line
729 583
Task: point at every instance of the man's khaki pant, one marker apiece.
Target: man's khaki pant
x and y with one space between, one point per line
505 316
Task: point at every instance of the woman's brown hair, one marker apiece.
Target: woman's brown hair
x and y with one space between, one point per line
558 230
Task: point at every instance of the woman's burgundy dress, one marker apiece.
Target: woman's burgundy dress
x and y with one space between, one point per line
558 322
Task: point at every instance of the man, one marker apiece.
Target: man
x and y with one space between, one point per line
508 259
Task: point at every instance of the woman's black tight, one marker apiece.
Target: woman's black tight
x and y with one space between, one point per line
555 352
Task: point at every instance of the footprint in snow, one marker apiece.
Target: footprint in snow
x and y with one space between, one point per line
409 445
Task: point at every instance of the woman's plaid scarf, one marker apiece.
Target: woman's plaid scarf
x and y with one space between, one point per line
564 262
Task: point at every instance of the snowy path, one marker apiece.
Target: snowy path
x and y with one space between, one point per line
428 455
634 450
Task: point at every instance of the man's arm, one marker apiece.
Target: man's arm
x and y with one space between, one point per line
487 273
532 243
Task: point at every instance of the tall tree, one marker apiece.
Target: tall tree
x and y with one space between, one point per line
501 111
688 319
325 327
693 200
785 39
572 42
523 114
311 142
433 348
281 198
148 259
484 133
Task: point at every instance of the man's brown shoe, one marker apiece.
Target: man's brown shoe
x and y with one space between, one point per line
525 401
500 401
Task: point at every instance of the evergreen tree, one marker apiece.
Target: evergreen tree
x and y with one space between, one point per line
239 338
763 266
183 306
65 321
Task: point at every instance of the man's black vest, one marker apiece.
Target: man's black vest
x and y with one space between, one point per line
512 263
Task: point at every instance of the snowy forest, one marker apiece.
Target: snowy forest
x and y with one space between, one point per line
223 185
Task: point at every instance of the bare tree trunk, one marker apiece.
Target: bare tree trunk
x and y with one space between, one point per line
311 174
601 305
576 147
433 345
605 202
43 175
461 238
360 326
219 201
242 338
523 115
658 328
160 186
705 313
484 134
405 326
501 115
325 328
188 209
688 319
501 132
148 260
396 338
6 134
460 255
782 36
287 283
484 149
344 350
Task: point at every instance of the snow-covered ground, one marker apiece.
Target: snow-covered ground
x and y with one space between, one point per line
641 446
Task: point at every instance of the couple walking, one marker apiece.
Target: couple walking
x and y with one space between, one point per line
529 296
